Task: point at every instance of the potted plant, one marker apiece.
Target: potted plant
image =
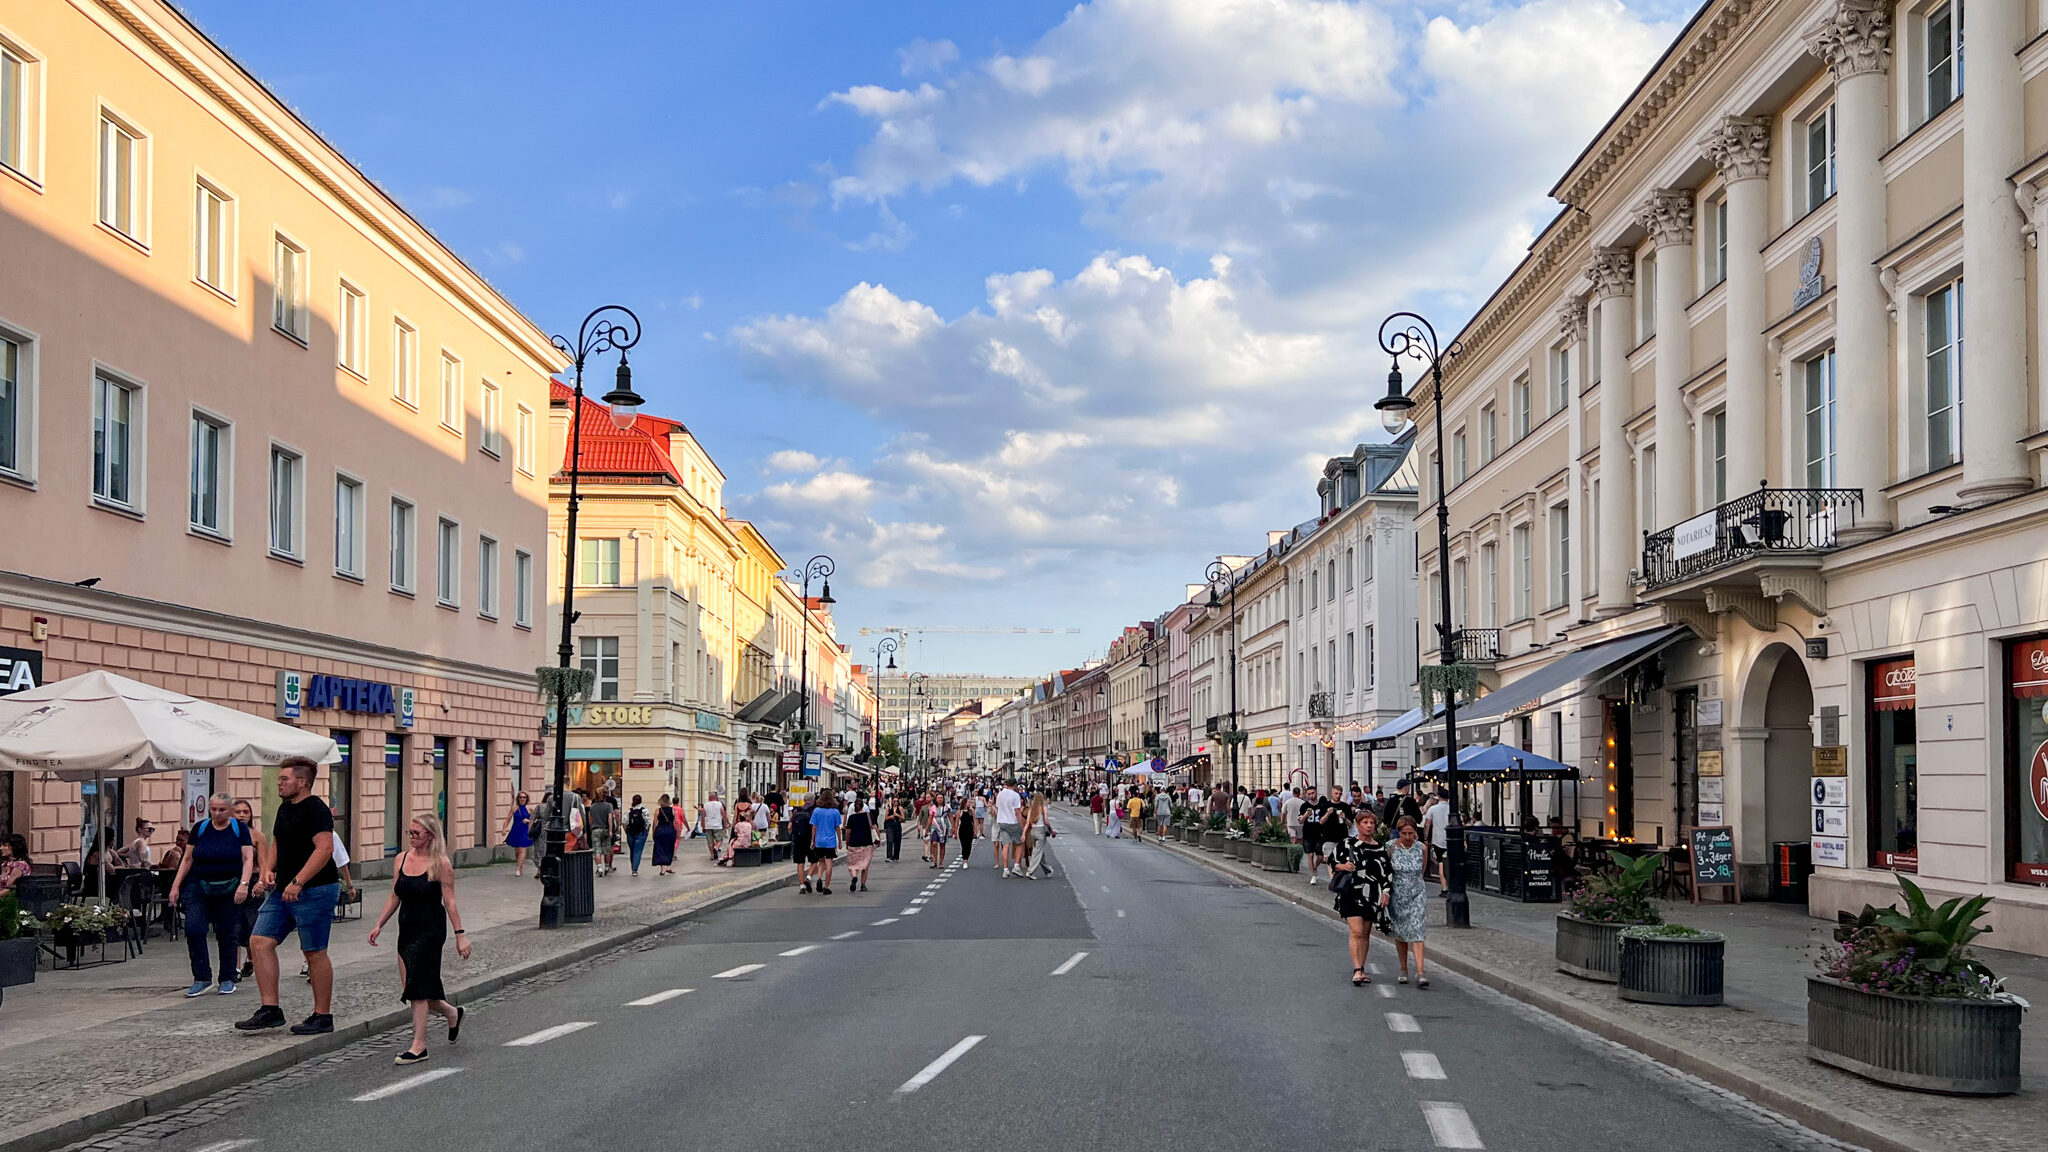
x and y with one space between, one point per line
1240 846
1213 834
1904 1001
17 943
1671 964
1271 851
1589 929
85 923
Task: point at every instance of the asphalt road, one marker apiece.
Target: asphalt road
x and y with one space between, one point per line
1135 1000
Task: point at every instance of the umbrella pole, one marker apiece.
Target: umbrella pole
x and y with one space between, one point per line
99 829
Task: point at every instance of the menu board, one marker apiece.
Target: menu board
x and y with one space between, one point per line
1713 859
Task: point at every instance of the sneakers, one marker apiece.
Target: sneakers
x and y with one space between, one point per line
227 987
267 1016
1006 873
1312 879
807 886
199 988
409 1058
313 1025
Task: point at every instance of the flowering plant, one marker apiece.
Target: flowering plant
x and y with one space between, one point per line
87 919
1922 951
1620 897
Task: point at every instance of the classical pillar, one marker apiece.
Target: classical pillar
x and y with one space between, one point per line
1995 409
1571 325
1741 149
1614 275
1745 785
1667 217
1856 41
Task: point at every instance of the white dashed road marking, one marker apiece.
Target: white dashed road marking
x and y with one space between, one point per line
1449 1125
1119 913
228 1145
658 997
931 1071
910 911
1067 967
799 951
742 970
852 934
391 1089
1386 991
1402 1022
1422 1065
879 923
547 1034
919 900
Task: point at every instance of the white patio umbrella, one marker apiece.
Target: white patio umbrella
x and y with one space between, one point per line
1142 768
100 726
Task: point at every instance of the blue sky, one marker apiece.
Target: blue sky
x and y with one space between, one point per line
1024 310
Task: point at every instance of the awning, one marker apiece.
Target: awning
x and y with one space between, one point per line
1501 762
1393 729
1595 663
759 705
1187 761
782 709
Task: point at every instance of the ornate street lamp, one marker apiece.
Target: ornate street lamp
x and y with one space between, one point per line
1407 334
1232 736
601 332
818 567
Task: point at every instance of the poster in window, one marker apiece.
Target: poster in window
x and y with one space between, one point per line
2027 774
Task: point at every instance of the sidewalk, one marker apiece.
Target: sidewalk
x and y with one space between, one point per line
86 1050
1754 1045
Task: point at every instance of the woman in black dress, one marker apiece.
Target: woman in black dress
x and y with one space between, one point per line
665 836
1362 900
423 896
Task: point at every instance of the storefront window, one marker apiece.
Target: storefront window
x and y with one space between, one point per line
482 836
595 778
2026 771
394 795
441 783
1894 767
341 777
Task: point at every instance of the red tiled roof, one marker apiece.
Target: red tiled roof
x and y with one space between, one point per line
639 451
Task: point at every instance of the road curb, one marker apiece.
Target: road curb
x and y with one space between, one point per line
176 1091
1824 1116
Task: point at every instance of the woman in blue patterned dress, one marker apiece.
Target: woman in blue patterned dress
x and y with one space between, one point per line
1408 909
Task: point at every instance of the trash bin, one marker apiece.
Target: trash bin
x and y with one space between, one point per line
579 886
1791 864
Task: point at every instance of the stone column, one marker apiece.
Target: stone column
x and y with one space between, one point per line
1995 408
1571 324
1668 217
1741 149
1614 275
1744 784
1856 41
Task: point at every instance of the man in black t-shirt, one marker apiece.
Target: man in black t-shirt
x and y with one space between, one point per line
298 870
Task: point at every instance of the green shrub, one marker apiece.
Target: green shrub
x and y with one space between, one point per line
1622 897
1274 831
1923 951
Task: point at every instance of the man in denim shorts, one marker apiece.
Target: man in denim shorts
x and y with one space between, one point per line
300 853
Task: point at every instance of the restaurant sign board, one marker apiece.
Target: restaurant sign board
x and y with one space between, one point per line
1713 859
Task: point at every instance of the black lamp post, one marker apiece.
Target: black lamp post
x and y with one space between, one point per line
1232 737
1407 334
600 332
916 685
821 567
1152 710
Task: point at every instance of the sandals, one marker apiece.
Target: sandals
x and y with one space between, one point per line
1404 978
1422 981
1359 979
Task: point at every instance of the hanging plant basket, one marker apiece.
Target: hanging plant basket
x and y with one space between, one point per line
1437 681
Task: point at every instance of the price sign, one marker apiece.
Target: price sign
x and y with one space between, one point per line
1713 860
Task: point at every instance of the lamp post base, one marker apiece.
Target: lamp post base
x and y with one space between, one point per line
1457 910
551 891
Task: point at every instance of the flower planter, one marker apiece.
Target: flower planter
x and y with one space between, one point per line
1271 857
1241 848
1212 841
1929 1044
1679 970
1588 949
17 961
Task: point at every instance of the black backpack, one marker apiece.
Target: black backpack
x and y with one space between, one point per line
636 821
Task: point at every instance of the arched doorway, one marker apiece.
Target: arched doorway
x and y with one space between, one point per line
1776 713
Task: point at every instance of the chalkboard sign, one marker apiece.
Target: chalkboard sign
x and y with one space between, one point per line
1713 860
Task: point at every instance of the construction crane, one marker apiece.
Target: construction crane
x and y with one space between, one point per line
938 628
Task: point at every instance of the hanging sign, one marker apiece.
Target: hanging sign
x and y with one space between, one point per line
1695 536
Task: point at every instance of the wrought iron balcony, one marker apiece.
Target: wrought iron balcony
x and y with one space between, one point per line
1764 522
1477 645
1214 726
1319 706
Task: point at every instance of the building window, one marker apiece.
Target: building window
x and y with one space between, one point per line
1330 582
12 406
1487 441
2026 761
18 120
1560 554
522 589
354 335
524 448
1460 593
1518 396
1717 240
1350 569
1820 158
1560 378
401 545
1894 767
451 393
1717 457
1458 460
1350 662
211 453
448 563
124 175
114 415
348 527
1313 578
1945 375
286 470
1646 297
405 364
599 561
288 288
1944 55
1523 600
600 657
493 415
1369 669
1819 376
487 577
1646 487
213 238
1489 586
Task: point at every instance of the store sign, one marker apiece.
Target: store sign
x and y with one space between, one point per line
1710 762
1830 792
1712 813
612 715
1695 536
640 765
1831 760
1265 743
1830 821
1831 851
20 670
1892 685
710 722
1713 790
792 759
297 692
2029 668
1707 713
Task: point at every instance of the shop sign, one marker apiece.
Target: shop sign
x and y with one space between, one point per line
1713 789
297 692
641 765
1830 792
710 722
1710 762
1707 713
2037 780
1830 821
1709 739
792 759
1892 685
1831 851
1265 743
1695 536
2029 667
20 670
1830 724
1831 760
1712 813
612 715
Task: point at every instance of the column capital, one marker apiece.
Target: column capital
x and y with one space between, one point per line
1740 147
1666 214
1613 272
1855 38
1571 320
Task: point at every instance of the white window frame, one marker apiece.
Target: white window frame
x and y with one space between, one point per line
592 649
448 562
1950 412
1818 413
349 526
1460 458
214 241
290 315
523 450
405 362
1561 554
352 329
1560 377
1489 435
293 537
522 588
487 576
1489 585
450 390
491 403
1714 459
1522 605
1818 127
129 220
19 383
27 161
1646 296
134 468
1714 253
1522 416
596 561
1939 77
402 539
222 481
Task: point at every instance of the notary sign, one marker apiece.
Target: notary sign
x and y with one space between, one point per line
1694 536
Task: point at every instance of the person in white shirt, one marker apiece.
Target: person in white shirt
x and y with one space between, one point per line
1437 821
1290 811
1194 796
1009 831
711 818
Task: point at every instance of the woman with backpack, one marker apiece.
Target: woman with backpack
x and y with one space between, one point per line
636 832
665 836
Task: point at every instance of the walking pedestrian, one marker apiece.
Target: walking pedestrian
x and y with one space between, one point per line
1361 874
213 881
1038 832
939 829
245 815
1406 909
636 832
1095 807
300 857
601 820
711 818
423 896
1135 807
800 840
519 834
1112 818
1010 831
860 845
892 829
826 819
965 825
665 836
1436 825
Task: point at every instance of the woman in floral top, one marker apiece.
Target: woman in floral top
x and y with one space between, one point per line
1364 902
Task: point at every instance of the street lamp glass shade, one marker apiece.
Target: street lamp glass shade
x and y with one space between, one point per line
826 597
624 402
1396 405
892 663
1215 601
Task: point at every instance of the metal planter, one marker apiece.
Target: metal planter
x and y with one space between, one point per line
1589 950
1241 849
1951 1046
17 961
1212 841
1685 971
1271 857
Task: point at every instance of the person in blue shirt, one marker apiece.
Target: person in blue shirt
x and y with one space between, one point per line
825 821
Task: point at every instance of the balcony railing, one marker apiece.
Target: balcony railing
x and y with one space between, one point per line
1319 706
1477 645
1787 520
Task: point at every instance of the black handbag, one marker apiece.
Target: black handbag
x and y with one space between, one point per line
1343 883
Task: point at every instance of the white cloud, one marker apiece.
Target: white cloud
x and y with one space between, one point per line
926 56
792 460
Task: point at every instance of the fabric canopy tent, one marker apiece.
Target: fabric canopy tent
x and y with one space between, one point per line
1595 663
102 726
1143 768
1501 761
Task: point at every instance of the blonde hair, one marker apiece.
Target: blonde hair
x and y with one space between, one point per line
437 848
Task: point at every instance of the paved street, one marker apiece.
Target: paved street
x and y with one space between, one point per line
964 1011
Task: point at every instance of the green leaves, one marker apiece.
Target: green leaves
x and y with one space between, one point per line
1923 949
